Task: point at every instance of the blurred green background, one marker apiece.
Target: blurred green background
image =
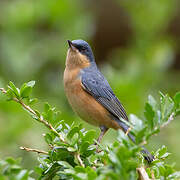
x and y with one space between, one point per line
136 45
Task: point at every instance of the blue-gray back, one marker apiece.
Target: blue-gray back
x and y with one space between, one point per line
95 84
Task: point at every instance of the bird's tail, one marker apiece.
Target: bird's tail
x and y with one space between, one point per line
147 155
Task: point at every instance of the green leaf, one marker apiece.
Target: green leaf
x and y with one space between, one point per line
12 161
156 161
162 170
50 172
137 123
148 170
91 173
10 94
152 102
74 140
149 114
33 101
177 112
61 154
46 107
38 170
140 135
89 136
31 83
72 132
25 91
80 169
177 98
71 149
84 146
69 171
48 138
167 107
174 176
22 175
65 164
165 155
50 114
15 90
161 151
59 126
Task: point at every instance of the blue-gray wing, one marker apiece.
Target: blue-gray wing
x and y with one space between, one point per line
98 87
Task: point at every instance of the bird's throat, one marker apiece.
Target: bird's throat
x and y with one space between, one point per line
75 59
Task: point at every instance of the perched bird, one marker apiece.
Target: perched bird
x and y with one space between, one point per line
89 93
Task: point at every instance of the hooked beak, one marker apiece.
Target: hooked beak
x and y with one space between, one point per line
71 45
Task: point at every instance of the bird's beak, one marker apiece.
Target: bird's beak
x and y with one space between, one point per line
71 45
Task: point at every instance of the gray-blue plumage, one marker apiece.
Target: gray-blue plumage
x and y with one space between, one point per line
95 84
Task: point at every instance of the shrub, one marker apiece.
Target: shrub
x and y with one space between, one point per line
72 151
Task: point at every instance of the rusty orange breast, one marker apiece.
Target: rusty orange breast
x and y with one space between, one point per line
83 103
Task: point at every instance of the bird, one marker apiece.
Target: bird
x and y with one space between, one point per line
90 94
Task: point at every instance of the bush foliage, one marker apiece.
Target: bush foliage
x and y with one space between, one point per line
72 151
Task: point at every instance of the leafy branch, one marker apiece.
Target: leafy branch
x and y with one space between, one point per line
72 153
17 95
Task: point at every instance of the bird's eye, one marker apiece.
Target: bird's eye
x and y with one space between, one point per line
82 49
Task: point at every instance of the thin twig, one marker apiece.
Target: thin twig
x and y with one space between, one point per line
79 159
40 119
33 150
142 174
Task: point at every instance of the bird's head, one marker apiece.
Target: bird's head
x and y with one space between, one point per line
79 53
